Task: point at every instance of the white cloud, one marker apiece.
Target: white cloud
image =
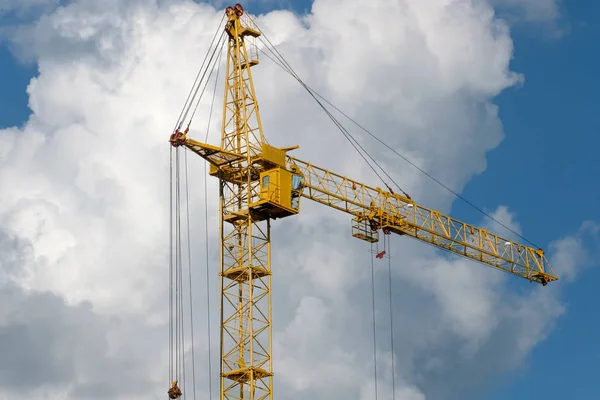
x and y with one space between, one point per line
573 253
88 200
503 222
533 10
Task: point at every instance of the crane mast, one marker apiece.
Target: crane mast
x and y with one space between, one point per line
259 182
245 255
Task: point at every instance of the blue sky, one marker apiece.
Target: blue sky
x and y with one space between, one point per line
545 170
548 166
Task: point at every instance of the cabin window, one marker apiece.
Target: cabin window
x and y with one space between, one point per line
296 182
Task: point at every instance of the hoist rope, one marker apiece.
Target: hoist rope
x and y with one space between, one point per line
391 314
342 129
180 339
217 63
177 323
313 93
374 326
177 337
171 266
206 233
182 314
187 202
178 124
173 284
456 194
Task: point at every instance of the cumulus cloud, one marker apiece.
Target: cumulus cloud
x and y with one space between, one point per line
51 349
504 223
533 10
573 253
84 200
545 15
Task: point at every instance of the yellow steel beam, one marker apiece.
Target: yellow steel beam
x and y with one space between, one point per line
246 367
395 213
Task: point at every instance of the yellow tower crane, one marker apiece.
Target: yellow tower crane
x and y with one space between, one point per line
259 183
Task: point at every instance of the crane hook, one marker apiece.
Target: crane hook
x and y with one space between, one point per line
174 392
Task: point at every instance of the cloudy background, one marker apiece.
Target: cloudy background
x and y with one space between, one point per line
84 199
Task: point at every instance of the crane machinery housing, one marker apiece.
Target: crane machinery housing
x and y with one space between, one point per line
259 183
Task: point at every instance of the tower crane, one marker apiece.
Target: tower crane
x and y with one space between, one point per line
259 183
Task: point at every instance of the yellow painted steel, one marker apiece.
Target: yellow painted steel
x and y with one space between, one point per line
374 209
246 364
251 175
259 182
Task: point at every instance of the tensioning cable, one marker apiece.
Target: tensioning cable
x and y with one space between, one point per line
285 66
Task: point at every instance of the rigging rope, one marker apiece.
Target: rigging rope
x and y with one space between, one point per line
457 195
176 334
187 203
342 129
218 64
374 327
177 324
206 231
171 267
179 122
391 315
313 93
177 307
180 354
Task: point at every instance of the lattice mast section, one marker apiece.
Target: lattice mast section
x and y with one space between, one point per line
255 187
245 240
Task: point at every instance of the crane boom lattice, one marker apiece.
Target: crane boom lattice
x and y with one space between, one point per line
375 209
246 370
